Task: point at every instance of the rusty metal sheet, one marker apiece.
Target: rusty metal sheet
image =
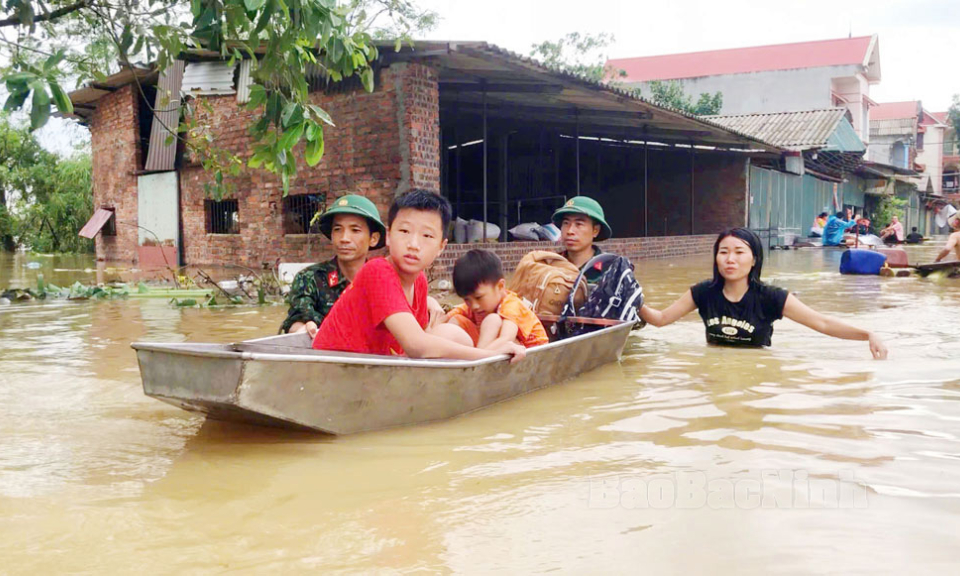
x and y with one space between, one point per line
96 223
162 152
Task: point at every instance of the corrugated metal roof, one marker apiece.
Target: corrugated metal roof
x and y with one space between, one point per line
208 78
621 92
244 81
616 98
162 152
803 130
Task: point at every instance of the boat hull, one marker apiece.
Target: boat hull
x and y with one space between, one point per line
279 381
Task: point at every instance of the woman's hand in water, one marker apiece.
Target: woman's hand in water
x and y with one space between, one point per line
877 347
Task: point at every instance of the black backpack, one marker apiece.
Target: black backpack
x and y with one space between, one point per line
614 295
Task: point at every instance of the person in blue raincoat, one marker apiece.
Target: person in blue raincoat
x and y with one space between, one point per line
836 226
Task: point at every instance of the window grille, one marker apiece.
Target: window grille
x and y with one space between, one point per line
298 211
223 216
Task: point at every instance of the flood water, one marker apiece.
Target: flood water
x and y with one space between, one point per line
804 457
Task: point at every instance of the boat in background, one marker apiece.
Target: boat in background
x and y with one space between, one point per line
281 381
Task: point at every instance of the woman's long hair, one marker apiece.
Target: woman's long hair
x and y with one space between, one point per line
753 241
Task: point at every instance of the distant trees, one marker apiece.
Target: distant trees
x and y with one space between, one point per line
44 199
670 93
582 54
585 55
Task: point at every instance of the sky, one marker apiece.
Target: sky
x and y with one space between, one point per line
919 40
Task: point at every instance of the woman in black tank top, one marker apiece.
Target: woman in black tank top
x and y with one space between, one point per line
738 309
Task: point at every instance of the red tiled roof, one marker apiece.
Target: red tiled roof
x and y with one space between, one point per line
941 116
894 110
837 52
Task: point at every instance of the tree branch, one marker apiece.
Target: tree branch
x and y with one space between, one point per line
15 21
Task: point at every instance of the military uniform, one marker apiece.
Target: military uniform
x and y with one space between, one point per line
313 292
588 207
316 288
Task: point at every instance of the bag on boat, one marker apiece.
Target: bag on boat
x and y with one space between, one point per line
614 295
546 279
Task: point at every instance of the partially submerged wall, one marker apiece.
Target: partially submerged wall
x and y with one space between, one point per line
114 137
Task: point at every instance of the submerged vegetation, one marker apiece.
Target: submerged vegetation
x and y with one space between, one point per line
247 290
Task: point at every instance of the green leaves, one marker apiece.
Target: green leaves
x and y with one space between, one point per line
40 109
318 114
366 76
60 98
292 114
37 80
314 152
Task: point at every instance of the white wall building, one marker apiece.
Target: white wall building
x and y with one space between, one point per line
905 135
778 78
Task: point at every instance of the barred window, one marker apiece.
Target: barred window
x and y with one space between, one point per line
223 216
298 211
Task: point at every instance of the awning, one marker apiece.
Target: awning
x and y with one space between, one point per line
96 222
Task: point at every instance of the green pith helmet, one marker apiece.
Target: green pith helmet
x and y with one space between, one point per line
587 206
358 206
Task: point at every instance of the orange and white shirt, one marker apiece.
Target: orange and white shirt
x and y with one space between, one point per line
530 332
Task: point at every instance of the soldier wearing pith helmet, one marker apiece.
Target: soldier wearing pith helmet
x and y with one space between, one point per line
581 222
353 225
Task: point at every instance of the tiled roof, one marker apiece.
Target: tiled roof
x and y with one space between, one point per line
803 130
895 110
838 52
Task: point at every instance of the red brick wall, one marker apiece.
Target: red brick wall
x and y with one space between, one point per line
115 135
378 136
418 105
633 248
720 193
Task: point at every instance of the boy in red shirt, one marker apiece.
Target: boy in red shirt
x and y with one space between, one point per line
384 311
490 313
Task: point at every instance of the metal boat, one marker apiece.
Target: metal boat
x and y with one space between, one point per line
281 381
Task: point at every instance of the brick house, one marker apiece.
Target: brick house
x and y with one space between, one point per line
506 139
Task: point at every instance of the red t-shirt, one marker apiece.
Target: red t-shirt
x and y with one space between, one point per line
355 323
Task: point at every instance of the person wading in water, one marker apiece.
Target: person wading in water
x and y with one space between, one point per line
738 309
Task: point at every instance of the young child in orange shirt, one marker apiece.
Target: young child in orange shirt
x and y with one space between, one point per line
490 313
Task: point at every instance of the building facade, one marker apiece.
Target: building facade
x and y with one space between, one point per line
950 159
504 138
778 78
905 135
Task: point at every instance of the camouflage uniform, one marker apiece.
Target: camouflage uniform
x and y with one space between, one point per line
313 292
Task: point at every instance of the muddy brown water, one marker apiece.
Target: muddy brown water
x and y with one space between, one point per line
804 457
